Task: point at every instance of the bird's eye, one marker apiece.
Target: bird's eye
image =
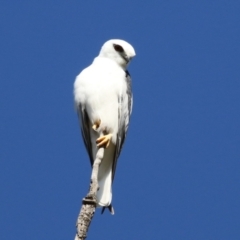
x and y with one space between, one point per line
118 48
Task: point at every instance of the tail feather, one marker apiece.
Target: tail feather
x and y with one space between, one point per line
104 194
110 208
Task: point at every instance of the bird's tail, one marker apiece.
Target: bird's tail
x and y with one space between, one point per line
104 194
110 208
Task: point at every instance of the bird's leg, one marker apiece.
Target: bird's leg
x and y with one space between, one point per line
96 125
104 140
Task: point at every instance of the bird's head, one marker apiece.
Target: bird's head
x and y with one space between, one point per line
119 51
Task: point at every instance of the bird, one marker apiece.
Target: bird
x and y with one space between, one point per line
103 101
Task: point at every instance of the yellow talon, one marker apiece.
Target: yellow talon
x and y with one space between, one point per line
96 124
104 141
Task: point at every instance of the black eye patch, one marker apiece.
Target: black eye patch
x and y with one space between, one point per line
118 48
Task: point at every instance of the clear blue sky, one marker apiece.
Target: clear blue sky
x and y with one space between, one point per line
178 177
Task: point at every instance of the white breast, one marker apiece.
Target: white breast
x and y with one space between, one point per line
98 88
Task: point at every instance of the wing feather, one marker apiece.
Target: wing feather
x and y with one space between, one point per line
85 130
123 119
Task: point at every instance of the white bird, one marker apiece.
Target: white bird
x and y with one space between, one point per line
103 99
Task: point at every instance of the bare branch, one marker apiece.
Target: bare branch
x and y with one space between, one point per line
89 203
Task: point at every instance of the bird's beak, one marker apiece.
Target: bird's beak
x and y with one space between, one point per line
127 58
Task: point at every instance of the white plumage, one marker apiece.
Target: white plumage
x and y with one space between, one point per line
103 99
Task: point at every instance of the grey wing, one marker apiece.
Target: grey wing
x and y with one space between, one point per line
124 112
85 130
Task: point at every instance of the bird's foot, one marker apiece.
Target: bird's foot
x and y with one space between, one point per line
104 141
90 199
96 125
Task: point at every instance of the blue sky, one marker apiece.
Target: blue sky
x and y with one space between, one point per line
178 175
